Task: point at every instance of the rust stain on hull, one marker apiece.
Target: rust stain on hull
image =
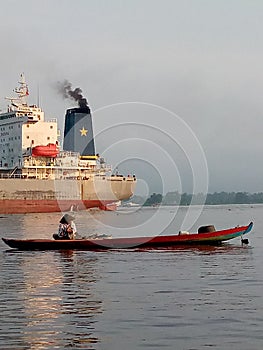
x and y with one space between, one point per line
48 206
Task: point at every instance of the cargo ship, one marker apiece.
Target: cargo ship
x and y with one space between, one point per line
37 175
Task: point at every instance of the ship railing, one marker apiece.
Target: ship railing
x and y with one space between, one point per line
64 154
13 176
13 171
105 168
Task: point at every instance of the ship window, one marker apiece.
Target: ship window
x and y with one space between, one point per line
27 137
51 126
48 138
27 126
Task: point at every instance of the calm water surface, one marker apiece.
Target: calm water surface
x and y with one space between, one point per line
187 298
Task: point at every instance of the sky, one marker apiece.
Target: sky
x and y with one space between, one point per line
175 87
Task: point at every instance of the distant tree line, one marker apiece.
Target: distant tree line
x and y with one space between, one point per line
175 198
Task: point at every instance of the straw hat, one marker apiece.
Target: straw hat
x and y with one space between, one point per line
67 218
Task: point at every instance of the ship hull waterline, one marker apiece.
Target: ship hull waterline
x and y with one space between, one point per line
51 206
18 196
210 238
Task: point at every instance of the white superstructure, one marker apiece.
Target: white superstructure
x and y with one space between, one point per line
37 176
22 127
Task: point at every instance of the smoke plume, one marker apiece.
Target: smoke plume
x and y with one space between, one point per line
65 89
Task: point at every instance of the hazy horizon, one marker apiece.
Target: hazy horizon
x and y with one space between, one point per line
175 87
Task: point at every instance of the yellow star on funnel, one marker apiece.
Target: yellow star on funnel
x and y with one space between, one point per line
83 131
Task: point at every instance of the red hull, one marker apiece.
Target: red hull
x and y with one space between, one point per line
17 206
209 238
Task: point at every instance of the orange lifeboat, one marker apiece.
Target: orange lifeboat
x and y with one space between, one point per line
50 150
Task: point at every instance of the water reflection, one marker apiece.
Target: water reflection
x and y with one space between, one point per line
194 297
54 298
204 249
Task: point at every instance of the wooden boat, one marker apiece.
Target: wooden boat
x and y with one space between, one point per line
208 238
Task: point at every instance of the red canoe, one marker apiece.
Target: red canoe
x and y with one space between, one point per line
209 238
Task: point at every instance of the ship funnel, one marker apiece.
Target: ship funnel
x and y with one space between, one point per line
78 131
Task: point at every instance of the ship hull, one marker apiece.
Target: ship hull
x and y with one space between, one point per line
19 196
51 206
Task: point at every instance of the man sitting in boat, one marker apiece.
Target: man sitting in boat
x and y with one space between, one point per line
66 229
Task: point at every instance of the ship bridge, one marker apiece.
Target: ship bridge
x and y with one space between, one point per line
23 127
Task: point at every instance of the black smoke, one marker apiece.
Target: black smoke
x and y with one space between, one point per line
65 88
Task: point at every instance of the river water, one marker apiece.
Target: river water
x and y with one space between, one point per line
185 298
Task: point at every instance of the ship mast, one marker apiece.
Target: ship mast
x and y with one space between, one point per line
22 93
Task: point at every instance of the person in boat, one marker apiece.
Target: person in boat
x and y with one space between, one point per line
67 228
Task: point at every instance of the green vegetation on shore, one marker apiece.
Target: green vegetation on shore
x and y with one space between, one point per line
216 198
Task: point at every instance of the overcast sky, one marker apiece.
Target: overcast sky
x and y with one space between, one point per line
175 86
